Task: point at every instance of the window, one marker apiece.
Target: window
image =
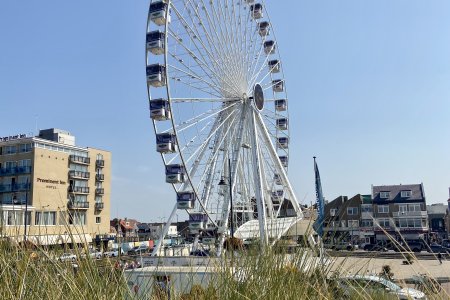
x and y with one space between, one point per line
14 217
24 163
24 148
383 223
98 220
63 218
76 167
45 218
80 198
402 208
352 210
77 218
383 209
405 194
353 223
333 212
384 195
9 149
98 199
414 207
366 223
366 207
343 223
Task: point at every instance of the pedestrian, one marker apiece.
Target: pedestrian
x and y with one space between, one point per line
440 257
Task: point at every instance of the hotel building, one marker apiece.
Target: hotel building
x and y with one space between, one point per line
52 191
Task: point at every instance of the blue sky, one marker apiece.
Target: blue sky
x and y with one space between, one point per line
368 85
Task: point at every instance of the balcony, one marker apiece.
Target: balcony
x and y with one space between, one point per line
15 171
99 191
79 159
78 189
79 174
100 163
17 187
100 177
78 205
99 205
399 214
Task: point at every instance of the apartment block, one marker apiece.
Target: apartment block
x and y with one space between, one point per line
52 191
400 211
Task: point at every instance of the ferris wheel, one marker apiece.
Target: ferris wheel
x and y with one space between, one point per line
219 108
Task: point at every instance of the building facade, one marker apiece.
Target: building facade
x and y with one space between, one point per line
52 191
400 212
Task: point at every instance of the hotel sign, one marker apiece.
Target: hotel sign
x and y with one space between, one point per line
50 181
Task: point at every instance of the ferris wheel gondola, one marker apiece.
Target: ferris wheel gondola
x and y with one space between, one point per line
218 104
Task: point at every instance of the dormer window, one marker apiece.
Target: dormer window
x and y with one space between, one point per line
406 194
384 195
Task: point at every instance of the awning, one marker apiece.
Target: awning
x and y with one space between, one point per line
75 238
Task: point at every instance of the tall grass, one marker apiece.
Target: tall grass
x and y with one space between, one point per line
27 273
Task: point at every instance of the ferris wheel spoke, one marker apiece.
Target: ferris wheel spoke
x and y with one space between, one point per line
208 138
197 77
204 116
208 36
195 38
190 100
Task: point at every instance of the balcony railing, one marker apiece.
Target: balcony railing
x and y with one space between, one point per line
100 163
79 189
79 159
422 213
100 177
99 205
79 174
99 191
78 205
17 187
14 171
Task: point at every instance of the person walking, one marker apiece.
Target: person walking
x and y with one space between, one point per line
439 256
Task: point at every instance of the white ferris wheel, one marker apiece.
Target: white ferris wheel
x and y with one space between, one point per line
219 108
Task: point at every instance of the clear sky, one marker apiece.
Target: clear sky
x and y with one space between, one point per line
368 84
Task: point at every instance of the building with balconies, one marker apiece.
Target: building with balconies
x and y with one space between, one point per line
49 187
400 212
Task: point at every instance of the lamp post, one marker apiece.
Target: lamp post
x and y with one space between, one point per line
26 212
223 183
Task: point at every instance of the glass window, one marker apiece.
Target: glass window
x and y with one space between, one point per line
384 222
15 217
383 209
366 223
77 218
98 220
352 210
25 147
366 207
384 195
99 156
63 218
405 194
353 223
414 207
45 218
402 208
333 212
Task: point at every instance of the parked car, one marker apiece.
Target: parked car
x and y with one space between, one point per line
68 257
199 252
138 250
436 248
361 284
414 246
93 253
374 247
113 253
342 245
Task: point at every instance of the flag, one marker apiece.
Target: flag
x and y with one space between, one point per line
318 224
